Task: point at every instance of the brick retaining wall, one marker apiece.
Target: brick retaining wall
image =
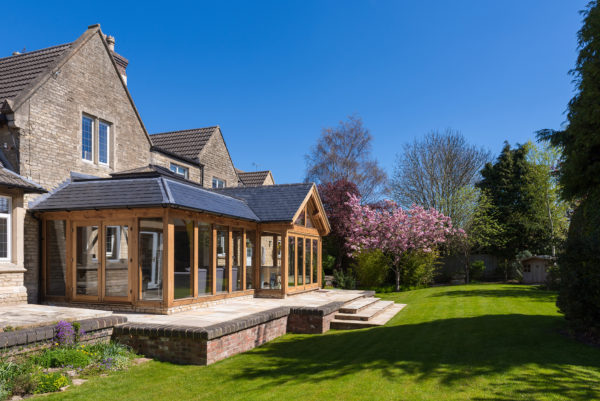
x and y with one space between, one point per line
312 320
13 343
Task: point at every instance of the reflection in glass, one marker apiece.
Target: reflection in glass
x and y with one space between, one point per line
250 243
236 268
222 259
204 251
56 257
291 261
88 262
300 261
270 269
151 258
307 262
184 247
315 261
116 273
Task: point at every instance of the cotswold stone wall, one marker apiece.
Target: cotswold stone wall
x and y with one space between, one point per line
47 137
160 159
217 162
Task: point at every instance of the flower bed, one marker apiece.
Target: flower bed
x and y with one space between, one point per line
57 367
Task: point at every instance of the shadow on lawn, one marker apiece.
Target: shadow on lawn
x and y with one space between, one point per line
447 350
532 293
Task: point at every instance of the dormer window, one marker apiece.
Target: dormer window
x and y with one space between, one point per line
180 170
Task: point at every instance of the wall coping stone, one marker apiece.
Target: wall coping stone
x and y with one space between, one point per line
43 333
322 310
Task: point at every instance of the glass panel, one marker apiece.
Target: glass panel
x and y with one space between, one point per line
204 250
3 237
56 257
291 261
300 261
236 268
300 220
270 269
222 259
307 262
88 263
151 258
87 129
116 273
315 261
4 205
250 241
184 247
309 221
103 131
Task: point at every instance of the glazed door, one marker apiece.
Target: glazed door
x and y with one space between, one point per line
87 261
117 258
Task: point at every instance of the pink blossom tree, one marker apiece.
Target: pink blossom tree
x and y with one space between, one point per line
396 231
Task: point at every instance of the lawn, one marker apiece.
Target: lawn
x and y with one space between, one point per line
477 342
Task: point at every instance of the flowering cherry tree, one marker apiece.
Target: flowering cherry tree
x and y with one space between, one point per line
396 231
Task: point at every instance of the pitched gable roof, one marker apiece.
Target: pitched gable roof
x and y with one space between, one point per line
19 71
253 178
186 143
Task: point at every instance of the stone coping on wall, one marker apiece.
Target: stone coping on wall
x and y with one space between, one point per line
46 333
203 333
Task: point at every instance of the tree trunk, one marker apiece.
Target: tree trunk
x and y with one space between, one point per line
397 280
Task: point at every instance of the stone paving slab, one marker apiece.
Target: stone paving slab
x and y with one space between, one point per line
237 309
32 315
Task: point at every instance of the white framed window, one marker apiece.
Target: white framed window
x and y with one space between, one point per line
218 183
179 170
103 143
5 228
87 138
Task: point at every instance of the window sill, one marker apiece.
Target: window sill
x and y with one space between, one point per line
9 267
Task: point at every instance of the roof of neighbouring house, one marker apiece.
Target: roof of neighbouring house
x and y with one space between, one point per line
152 186
253 178
18 71
186 143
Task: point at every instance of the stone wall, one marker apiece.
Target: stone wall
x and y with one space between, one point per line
195 172
47 133
217 162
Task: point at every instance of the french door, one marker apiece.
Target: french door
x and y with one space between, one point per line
102 261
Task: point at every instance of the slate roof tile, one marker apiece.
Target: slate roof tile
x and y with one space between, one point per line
253 178
187 143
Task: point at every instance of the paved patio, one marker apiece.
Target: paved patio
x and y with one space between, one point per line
235 309
31 315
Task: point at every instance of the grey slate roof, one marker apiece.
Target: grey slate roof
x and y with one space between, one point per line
253 178
187 143
11 179
17 72
151 190
271 203
151 187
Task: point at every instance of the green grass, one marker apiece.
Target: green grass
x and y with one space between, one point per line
476 342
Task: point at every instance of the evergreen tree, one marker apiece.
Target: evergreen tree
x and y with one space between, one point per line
579 176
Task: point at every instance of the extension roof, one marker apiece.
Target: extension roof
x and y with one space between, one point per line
186 143
10 179
153 187
253 178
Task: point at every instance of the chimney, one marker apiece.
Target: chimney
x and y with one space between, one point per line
111 43
16 53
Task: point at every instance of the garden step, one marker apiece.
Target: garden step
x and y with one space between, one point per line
357 305
378 320
368 312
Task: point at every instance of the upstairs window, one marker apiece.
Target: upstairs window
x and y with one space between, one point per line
103 142
179 170
218 183
87 139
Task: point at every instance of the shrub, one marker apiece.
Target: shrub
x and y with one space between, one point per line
344 280
477 269
50 382
24 383
371 268
65 333
328 263
61 357
418 269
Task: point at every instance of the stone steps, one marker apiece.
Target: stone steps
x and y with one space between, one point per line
358 305
377 313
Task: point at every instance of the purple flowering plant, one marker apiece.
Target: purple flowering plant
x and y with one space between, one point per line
65 334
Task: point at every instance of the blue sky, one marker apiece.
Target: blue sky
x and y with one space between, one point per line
273 74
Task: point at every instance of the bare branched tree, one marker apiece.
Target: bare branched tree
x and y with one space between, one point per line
436 170
344 153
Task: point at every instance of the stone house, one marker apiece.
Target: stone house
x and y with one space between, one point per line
67 117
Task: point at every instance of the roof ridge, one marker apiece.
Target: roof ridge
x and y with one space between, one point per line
267 186
184 130
37 51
